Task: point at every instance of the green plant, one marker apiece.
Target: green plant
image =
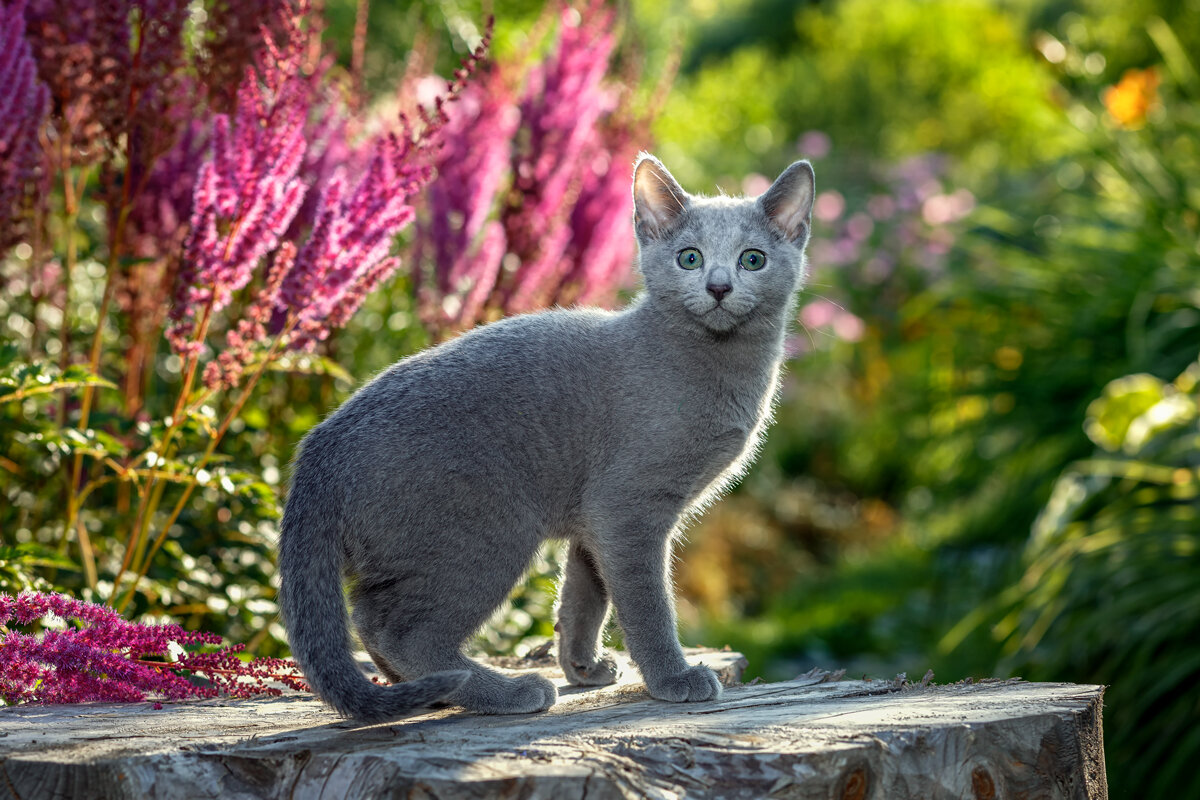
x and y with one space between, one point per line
1109 594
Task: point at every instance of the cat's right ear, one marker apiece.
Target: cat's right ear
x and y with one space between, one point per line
658 200
789 201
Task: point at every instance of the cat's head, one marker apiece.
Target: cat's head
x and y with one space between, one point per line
723 263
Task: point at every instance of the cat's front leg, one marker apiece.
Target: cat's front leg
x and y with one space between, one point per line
633 561
582 610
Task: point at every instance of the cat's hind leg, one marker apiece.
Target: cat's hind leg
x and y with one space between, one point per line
583 606
367 621
424 622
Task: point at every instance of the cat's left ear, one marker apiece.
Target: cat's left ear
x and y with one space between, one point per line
789 201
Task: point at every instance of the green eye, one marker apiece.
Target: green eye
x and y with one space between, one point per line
752 260
690 258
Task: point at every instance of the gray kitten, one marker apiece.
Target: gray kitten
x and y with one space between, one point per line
433 487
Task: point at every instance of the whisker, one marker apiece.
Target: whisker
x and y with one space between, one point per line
831 302
811 341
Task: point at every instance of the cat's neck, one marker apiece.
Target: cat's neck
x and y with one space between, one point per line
758 344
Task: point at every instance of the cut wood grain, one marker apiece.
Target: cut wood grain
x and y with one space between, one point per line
807 738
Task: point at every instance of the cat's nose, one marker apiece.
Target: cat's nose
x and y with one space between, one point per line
719 290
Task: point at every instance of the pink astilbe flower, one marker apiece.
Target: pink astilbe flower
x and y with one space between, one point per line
329 132
113 660
158 99
601 249
157 220
346 255
463 246
160 210
564 100
248 191
563 234
226 371
289 140
24 106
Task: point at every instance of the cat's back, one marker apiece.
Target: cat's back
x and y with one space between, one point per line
520 357
509 410
530 371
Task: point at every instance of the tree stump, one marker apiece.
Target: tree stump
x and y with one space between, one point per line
811 737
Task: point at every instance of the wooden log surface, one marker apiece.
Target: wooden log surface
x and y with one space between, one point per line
812 737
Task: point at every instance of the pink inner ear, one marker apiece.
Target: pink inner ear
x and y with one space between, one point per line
657 202
790 210
791 217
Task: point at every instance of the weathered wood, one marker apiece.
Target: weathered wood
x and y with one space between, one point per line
807 738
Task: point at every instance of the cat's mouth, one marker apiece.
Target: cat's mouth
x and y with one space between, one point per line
723 318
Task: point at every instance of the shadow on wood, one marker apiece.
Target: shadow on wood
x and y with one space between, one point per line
807 738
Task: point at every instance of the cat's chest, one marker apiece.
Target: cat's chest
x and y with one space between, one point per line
722 411
717 428
721 406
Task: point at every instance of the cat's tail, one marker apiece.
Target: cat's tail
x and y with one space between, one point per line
314 610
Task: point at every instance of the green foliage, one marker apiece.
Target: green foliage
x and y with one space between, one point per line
438 34
19 380
529 614
1109 591
894 500
220 567
19 565
888 79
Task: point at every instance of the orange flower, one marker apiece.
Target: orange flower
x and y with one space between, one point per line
1132 98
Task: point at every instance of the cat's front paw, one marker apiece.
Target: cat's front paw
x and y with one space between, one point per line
693 685
600 672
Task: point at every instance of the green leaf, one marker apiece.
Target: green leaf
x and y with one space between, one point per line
41 378
310 364
8 354
64 441
1123 401
36 555
240 483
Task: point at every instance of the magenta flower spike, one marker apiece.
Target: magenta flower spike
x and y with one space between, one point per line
346 255
330 130
282 170
357 219
24 106
463 247
563 234
107 658
561 107
601 248
155 86
158 214
248 191
82 48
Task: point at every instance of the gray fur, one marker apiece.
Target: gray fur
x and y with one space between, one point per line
433 487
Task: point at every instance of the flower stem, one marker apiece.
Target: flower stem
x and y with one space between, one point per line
213 441
135 543
70 220
86 551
